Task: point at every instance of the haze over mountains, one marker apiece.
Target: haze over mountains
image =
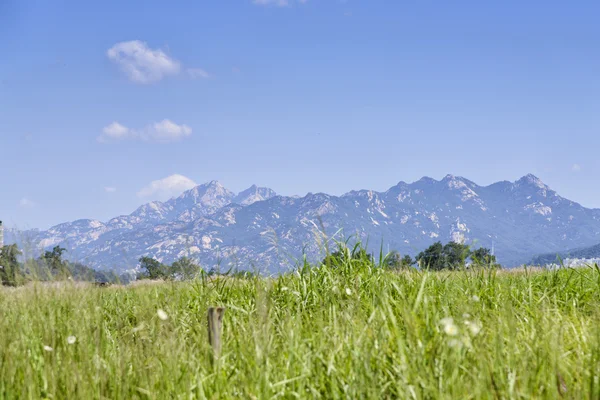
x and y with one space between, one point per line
573 257
257 229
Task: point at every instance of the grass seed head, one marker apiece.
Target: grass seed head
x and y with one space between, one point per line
162 315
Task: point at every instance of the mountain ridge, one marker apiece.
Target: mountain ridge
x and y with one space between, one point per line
258 228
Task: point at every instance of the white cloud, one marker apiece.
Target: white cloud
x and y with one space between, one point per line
141 63
277 3
115 131
197 73
145 65
26 203
110 189
164 131
167 187
576 168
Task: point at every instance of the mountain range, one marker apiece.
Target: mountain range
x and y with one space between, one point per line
257 229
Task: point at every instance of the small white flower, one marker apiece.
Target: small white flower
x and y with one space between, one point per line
449 327
475 328
451 330
285 289
162 314
466 315
475 298
455 343
71 340
348 292
48 348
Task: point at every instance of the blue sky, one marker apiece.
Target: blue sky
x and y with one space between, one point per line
100 99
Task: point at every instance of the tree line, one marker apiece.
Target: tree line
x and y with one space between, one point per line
183 269
49 266
437 257
52 266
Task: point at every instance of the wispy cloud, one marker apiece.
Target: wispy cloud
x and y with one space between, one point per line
167 187
197 73
277 3
110 189
27 203
165 131
576 168
145 65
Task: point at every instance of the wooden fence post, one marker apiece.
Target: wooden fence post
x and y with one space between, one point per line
215 328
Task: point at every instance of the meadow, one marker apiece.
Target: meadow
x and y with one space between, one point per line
334 332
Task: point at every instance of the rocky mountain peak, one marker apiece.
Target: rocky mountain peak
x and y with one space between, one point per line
254 194
457 182
150 209
207 192
426 180
531 180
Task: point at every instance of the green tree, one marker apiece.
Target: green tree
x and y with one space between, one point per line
432 257
455 255
81 272
437 257
395 261
53 260
407 261
185 268
153 269
483 257
10 269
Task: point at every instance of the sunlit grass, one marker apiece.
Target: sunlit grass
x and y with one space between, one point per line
349 331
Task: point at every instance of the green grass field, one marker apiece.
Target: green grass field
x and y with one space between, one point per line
355 332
